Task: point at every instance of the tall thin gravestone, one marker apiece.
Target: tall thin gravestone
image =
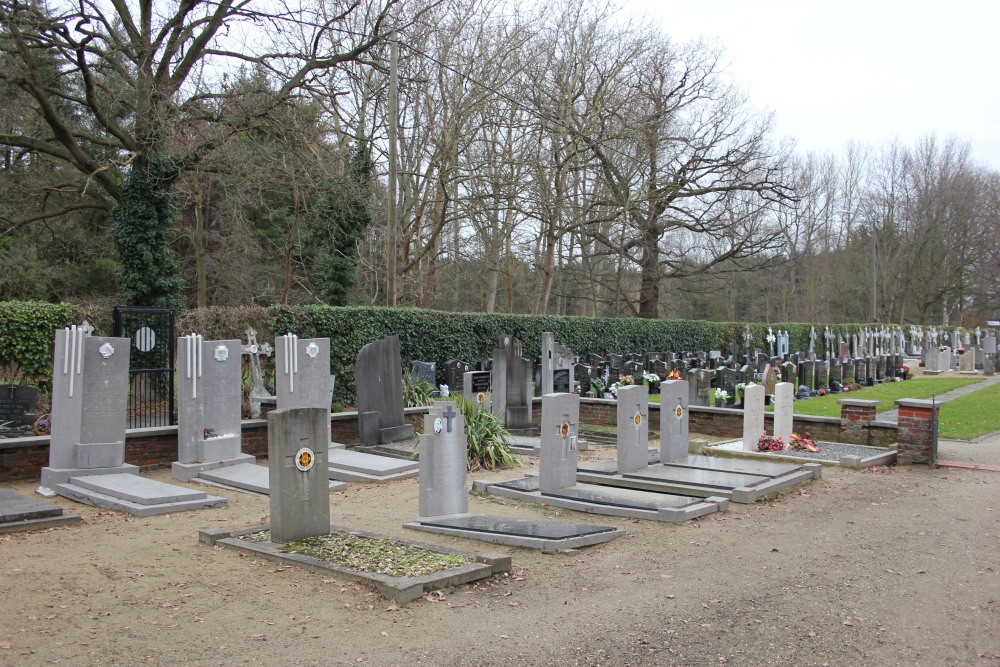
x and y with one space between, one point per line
753 416
673 420
209 398
89 405
443 462
633 428
297 442
302 372
511 384
378 376
557 458
784 395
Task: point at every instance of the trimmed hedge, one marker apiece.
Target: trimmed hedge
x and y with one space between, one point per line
27 331
27 334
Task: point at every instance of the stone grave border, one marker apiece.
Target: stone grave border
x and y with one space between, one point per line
400 589
887 457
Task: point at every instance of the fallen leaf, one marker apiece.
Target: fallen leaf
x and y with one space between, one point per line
259 638
4 645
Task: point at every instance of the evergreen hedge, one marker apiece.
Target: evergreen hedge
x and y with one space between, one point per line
27 333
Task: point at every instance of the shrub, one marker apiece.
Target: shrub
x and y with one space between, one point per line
417 390
489 440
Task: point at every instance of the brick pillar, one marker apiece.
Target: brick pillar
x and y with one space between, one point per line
916 434
855 416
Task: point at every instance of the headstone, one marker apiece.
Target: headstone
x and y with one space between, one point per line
788 373
454 374
807 374
673 420
379 379
990 343
769 379
557 458
209 398
512 384
478 389
822 373
784 397
443 462
557 366
753 416
258 392
582 375
967 362
89 402
989 367
426 370
633 428
297 443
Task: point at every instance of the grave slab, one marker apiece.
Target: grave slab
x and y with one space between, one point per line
136 489
376 466
248 477
18 513
101 494
547 535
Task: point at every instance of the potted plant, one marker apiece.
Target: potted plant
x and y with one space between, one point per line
721 396
653 380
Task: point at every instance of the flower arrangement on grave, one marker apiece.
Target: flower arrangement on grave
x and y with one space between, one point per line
599 385
821 391
942 348
651 378
721 395
674 375
903 372
739 389
802 444
208 433
42 425
622 381
769 443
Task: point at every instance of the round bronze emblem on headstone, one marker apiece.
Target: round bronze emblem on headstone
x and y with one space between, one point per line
679 412
564 429
304 459
480 398
637 419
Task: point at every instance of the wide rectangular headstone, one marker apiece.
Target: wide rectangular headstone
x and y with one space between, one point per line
512 384
967 361
378 376
454 374
784 410
674 403
633 428
426 370
209 399
90 382
297 443
443 464
753 416
302 373
557 458
479 389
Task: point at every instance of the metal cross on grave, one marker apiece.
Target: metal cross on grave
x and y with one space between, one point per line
770 340
449 417
255 351
747 339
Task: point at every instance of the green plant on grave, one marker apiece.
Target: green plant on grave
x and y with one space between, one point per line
417 390
489 440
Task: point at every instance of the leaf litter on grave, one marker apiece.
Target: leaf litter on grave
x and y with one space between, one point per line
368 554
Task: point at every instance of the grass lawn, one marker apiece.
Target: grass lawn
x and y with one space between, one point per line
827 406
968 417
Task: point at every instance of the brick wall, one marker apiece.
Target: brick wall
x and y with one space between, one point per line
915 442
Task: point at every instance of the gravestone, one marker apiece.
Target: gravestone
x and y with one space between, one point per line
753 416
633 428
511 384
938 360
297 442
673 420
258 392
17 403
836 372
557 366
807 374
378 377
633 368
557 459
989 367
822 373
426 370
302 373
784 397
478 389
990 343
89 402
87 443
209 401
769 379
582 374
788 373
443 462
454 374
967 362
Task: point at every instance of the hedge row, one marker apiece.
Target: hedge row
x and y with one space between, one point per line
26 333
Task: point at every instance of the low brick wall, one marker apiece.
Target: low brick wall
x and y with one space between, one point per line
23 458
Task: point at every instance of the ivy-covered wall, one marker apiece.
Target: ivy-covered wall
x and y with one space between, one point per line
27 331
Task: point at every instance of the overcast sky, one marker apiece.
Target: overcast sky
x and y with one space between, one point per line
863 70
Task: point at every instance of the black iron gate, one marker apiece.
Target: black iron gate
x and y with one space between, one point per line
151 363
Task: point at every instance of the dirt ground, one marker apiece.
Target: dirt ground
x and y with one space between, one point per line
883 567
